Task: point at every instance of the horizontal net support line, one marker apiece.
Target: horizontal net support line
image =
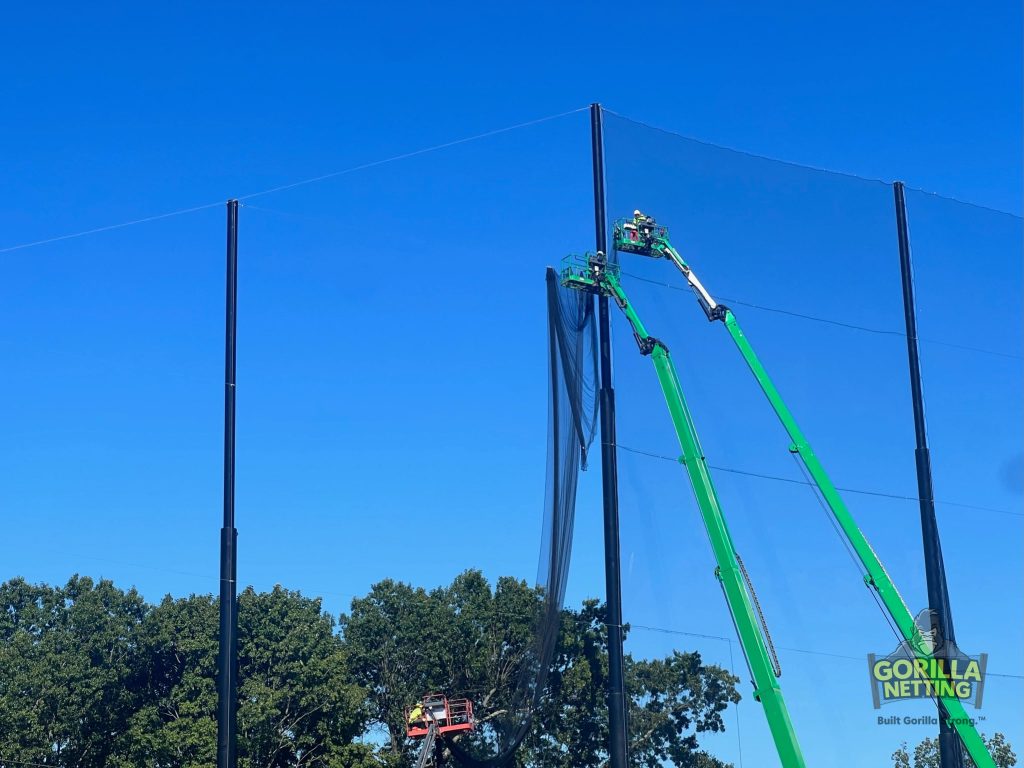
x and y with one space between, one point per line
805 167
111 227
863 492
809 651
829 321
293 184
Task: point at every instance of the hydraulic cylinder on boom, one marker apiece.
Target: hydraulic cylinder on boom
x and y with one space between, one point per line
643 236
596 275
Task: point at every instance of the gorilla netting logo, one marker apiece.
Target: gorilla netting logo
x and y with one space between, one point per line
946 671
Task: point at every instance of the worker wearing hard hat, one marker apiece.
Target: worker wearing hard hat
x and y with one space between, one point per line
416 713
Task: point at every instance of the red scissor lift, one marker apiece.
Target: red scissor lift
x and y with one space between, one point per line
444 714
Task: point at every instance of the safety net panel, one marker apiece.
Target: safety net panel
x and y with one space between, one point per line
525 710
400 342
409 347
969 289
807 262
398 348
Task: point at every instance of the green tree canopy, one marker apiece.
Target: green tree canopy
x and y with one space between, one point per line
69 663
91 676
469 640
926 754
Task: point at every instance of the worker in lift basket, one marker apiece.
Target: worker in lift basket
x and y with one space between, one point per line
643 222
416 713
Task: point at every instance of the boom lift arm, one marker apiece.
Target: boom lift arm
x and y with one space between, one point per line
428 751
643 236
597 276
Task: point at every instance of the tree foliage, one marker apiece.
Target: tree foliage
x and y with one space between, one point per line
70 663
926 754
466 639
91 676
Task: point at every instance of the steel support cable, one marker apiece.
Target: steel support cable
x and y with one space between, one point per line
869 583
861 491
739 736
293 184
856 562
791 164
626 625
861 570
791 649
828 321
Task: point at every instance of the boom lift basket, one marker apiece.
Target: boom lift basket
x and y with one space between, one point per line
579 272
640 235
446 715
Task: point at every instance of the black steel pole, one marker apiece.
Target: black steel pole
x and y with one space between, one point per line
227 660
617 746
950 748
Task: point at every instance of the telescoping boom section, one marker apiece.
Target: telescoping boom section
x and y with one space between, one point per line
643 236
595 275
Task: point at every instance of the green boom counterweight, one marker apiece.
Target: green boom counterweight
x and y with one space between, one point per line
641 235
595 275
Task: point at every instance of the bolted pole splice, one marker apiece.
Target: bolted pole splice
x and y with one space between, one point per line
950 748
227 659
617 746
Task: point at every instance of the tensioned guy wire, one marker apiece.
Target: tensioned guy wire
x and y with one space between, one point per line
293 184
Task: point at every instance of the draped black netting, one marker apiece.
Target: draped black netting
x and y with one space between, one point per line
572 420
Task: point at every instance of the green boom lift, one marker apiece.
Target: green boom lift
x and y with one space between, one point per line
595 274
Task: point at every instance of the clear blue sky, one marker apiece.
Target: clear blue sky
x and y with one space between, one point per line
391 358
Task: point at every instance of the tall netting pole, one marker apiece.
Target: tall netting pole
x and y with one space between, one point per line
227 660
609 474
950 750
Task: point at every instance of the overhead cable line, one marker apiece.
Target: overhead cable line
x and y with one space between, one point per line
830 321
808 651
293 184
804 167
109 227
630 625
407 155
862 492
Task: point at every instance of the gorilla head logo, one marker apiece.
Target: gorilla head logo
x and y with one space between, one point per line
928 637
